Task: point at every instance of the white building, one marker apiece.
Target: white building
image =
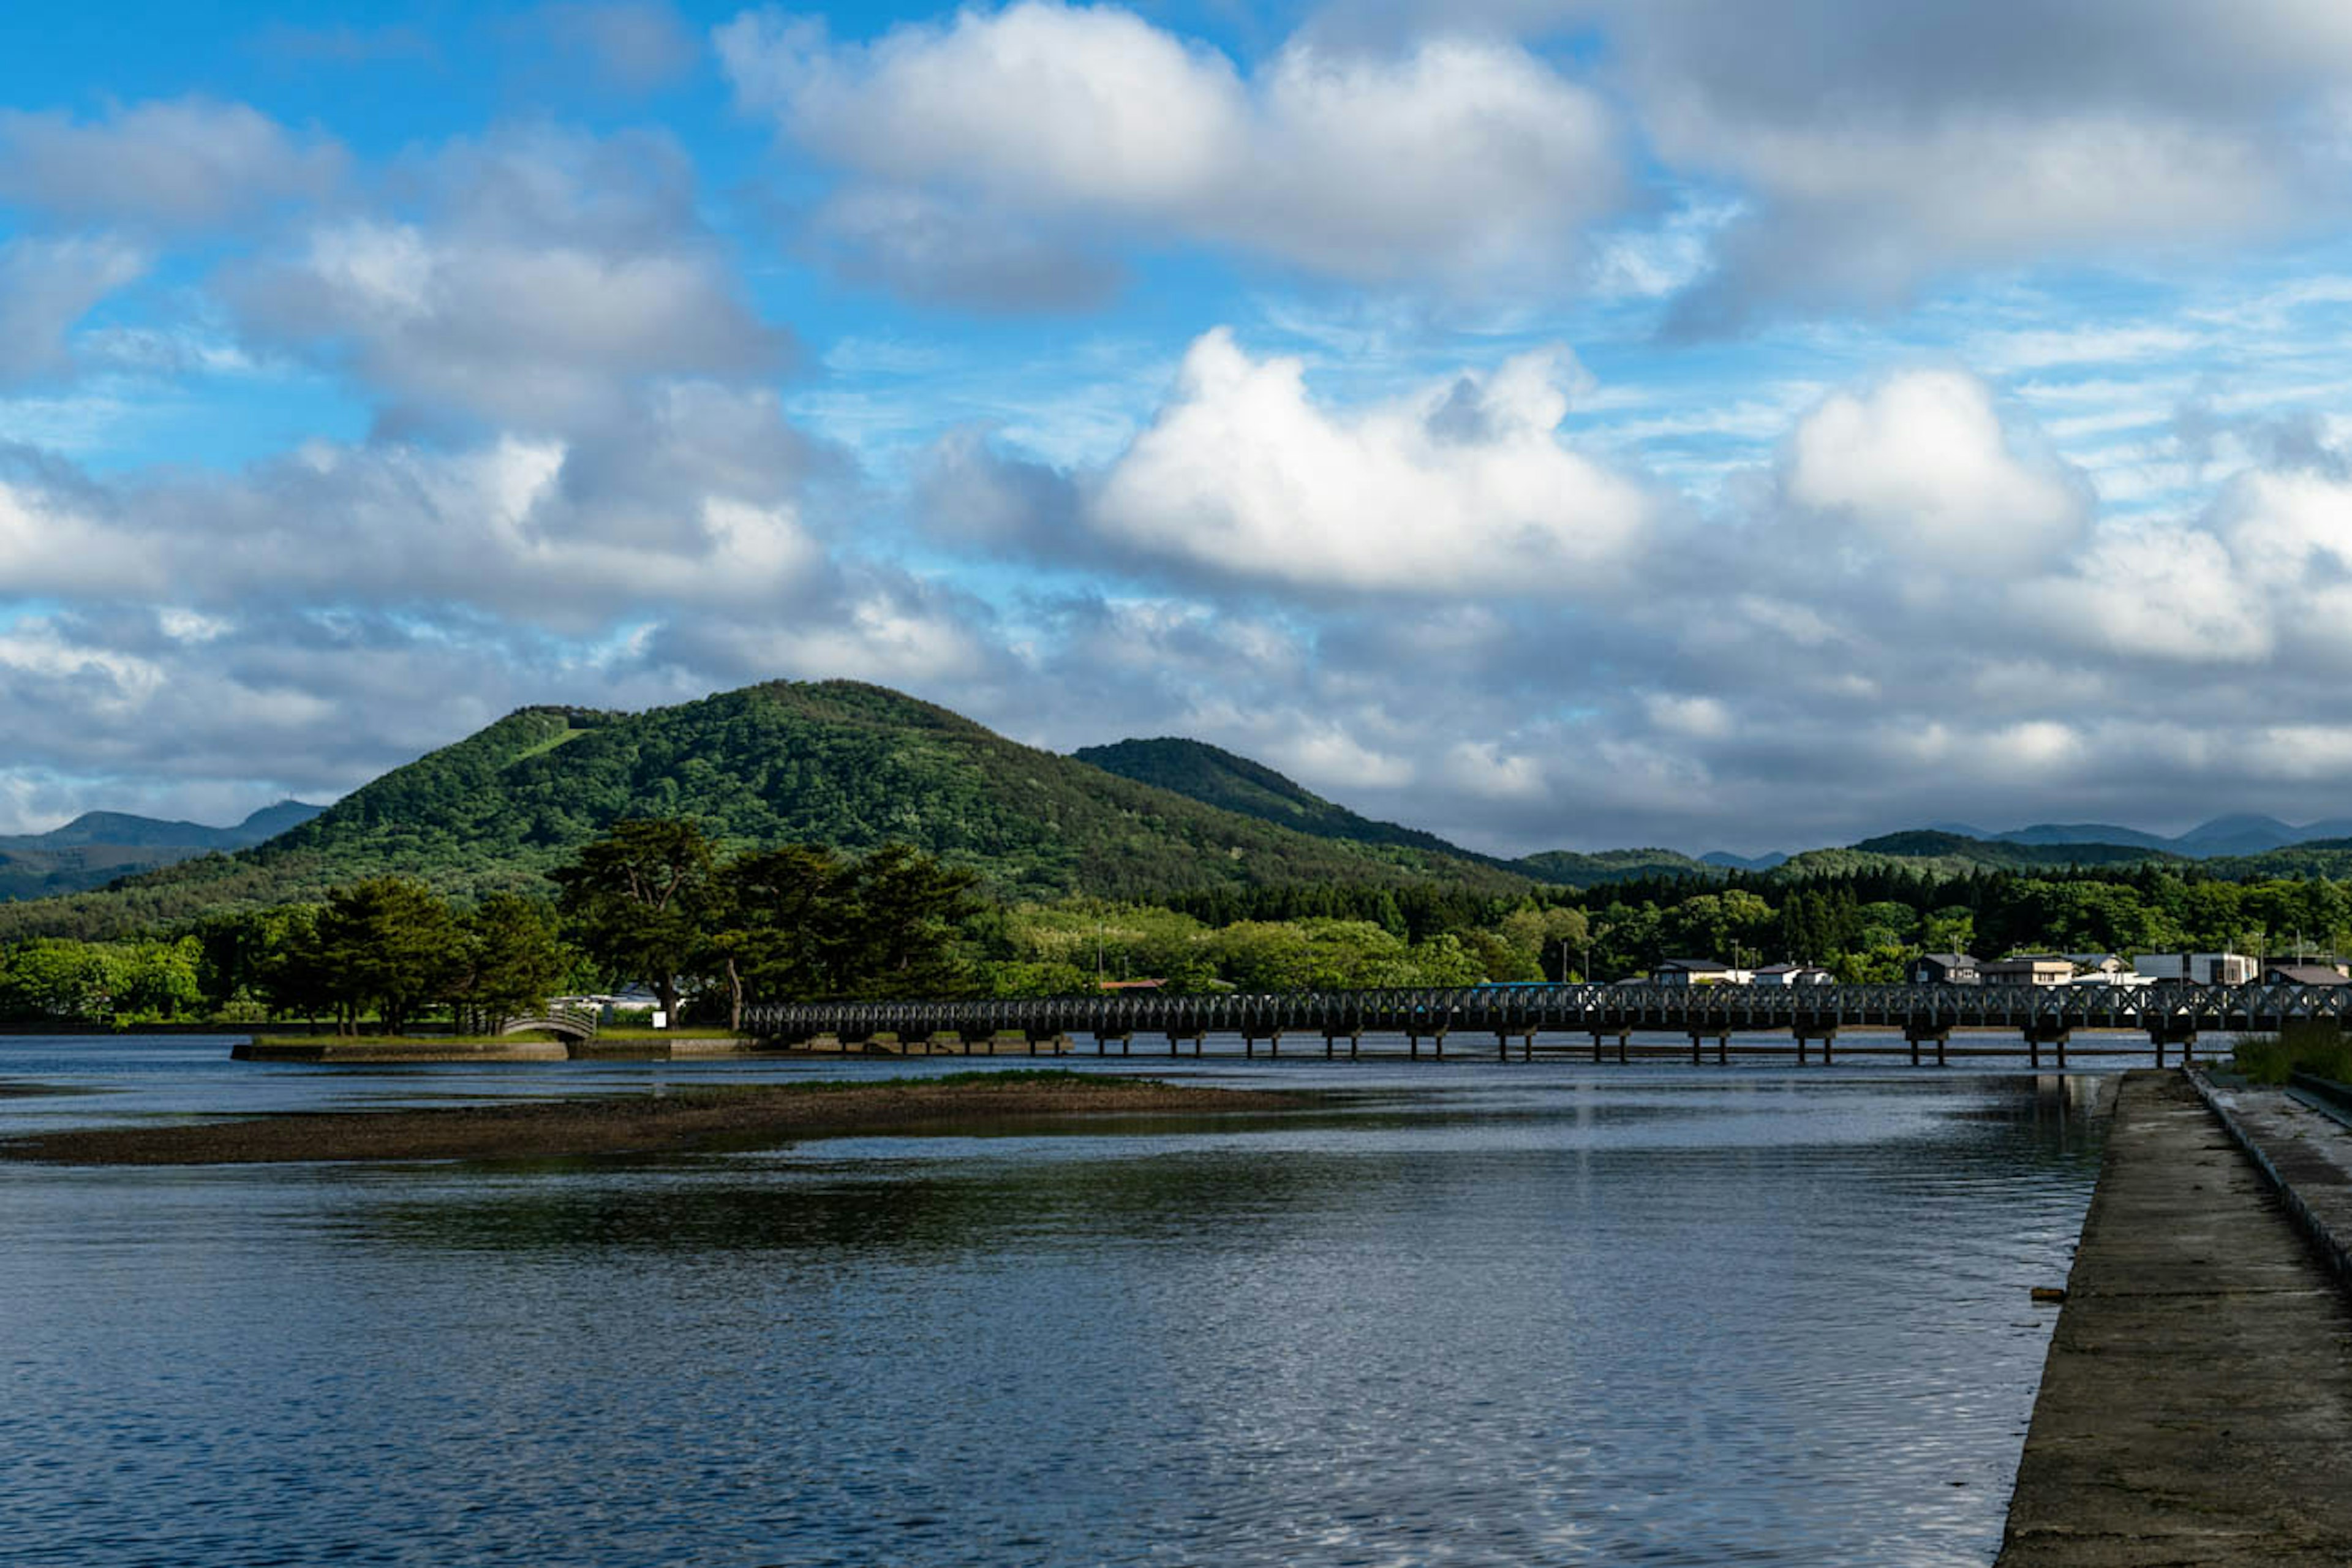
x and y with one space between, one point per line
1792 974
1698 972
2202 968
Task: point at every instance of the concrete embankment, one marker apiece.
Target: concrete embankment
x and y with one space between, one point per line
2196 1406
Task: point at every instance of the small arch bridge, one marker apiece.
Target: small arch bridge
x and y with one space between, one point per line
573 1026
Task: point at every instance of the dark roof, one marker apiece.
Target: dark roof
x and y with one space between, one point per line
1949 959
1692 963
2308 974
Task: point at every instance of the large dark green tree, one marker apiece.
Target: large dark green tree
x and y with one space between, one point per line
386 942
513 960
901 918
641 900
779 933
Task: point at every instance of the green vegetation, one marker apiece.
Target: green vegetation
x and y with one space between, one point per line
839 840
849 766
2321 1050
1216 776
1571 870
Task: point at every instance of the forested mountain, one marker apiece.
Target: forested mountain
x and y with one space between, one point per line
833 763
98 847
2239 836
1953 854
1218 778
1570 868
1214 776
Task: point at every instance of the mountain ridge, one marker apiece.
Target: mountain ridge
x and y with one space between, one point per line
839 763
99 846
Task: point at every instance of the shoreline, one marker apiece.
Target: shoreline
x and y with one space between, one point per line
678 1121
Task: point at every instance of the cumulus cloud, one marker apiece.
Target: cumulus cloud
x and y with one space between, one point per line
1464 487
49 285
181 163
1922 467
695 498
548 274
1459 155
1887 145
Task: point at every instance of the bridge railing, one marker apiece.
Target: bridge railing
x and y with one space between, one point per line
2174 1009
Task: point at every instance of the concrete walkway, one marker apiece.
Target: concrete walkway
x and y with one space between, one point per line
2196 1403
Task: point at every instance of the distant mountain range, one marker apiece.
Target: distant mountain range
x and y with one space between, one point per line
98 847
2224 835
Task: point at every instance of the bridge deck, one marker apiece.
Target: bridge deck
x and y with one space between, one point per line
1508 1015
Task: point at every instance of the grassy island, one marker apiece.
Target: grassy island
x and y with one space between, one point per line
675 1122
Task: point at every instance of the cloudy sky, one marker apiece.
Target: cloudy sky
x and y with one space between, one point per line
1556 423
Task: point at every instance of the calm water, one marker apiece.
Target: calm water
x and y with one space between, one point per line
1533 1314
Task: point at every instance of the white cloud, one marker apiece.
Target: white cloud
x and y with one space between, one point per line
696 499
550 275
2154 591
1459 155
1884 145
187 163
49 285
1922 465
1464 487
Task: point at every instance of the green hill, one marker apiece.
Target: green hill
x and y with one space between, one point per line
1956 854
836 762
1214 776
1572 870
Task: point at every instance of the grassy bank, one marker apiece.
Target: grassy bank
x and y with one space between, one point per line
2323 1051
678 1121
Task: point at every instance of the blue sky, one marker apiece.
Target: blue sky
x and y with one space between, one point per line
1557 423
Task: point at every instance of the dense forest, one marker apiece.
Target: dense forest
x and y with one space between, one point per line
801 922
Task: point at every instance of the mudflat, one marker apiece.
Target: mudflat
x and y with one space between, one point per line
675 1121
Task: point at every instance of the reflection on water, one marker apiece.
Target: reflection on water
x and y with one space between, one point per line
1492 1315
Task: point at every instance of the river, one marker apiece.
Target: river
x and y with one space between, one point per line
1506 1314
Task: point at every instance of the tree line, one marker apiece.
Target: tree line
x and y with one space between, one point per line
657 902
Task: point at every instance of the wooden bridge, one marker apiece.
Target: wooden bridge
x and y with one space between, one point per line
1563 1019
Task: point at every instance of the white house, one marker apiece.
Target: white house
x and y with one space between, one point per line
2203 968
1794 974
1698 972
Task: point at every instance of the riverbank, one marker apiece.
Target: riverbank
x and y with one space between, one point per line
678 1121
382 1049
2196 1405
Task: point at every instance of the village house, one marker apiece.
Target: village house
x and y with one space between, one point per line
2028 969
1697 972
2303 974
1944 968
2200 968
1794 974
